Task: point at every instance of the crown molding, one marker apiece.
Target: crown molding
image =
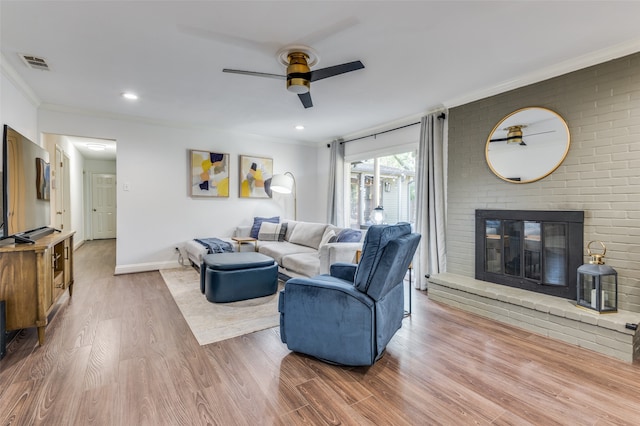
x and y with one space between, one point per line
10 73
161 123
561 68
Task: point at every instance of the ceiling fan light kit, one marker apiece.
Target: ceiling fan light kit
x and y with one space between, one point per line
297 71
515 134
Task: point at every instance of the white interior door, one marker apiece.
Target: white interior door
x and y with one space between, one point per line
103 188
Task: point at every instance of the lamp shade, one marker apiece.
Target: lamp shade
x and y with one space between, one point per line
282 184
377 216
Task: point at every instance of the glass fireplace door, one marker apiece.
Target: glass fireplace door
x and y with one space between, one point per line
527 249
535 250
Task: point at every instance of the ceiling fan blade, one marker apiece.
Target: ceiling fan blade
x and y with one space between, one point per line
335 70
527 135
323 33
540 133
305 98
264 47
255 74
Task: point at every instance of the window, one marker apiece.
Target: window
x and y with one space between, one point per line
388 182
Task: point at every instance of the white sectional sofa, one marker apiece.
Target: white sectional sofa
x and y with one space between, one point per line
304 251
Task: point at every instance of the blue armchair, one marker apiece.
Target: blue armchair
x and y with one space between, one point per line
349 316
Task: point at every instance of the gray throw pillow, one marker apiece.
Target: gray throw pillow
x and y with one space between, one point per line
257 221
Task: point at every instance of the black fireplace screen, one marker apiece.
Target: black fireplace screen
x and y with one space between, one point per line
530 249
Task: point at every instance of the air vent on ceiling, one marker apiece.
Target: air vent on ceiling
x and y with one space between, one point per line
34 62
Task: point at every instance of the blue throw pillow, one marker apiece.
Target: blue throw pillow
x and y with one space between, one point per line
257 221
349 236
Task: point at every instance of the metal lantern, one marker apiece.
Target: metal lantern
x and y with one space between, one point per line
597 283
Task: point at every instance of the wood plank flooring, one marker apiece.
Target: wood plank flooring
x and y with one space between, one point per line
120 353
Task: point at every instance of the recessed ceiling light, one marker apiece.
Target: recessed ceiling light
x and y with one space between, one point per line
130 96
96 146
299 127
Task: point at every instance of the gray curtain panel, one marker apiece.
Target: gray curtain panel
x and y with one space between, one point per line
335 204
431 199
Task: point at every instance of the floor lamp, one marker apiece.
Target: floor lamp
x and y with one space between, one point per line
286 184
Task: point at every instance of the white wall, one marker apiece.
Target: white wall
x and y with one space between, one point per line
17 109
383 144
322 184
157 214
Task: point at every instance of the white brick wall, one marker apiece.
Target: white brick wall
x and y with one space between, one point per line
601 174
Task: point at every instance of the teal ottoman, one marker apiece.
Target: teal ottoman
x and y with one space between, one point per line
229 277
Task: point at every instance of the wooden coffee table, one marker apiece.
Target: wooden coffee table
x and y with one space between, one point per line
245 240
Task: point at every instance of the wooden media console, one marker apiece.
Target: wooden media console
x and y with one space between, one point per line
32 279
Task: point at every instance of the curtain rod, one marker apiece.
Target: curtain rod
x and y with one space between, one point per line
441 116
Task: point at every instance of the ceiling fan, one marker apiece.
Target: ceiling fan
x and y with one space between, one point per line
514 135
298 60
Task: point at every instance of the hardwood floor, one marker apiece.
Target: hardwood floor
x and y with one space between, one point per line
120 353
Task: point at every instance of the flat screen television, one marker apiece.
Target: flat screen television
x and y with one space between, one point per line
26 187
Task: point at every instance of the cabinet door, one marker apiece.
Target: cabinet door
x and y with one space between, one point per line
68 262
18 288
57 270
45 280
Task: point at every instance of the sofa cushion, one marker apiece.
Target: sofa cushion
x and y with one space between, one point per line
302 263
291 224
257 222
308 234
272 231
278 250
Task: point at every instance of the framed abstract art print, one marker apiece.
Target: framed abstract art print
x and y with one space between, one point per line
255 176
209 174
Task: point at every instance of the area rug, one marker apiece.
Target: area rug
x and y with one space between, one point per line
213 322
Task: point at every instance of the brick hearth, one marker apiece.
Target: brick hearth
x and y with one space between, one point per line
549 316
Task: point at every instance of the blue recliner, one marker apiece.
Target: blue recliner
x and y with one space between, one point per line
348 317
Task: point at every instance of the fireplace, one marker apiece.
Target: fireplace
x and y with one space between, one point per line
533 250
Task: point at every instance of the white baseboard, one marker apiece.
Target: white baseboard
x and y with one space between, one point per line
145 267
78 244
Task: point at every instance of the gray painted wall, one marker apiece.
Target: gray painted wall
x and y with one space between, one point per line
601 174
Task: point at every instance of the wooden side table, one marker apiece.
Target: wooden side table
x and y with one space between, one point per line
245 240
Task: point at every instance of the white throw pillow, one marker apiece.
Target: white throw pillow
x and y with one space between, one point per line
272 231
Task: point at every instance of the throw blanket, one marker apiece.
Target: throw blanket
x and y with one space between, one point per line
215 245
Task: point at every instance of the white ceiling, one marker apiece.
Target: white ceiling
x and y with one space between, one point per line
419 56
83 145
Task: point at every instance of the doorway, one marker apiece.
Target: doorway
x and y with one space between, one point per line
77 159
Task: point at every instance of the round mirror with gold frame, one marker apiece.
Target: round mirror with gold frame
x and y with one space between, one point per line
527 145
